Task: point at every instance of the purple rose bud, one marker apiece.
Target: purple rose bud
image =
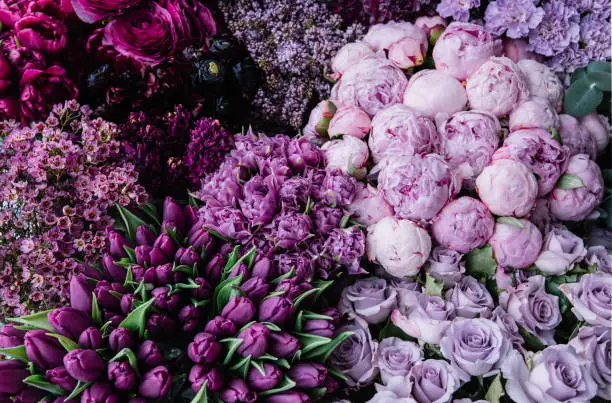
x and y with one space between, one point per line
254 340
174 213
255 288
282 345
263 268
308 375
164 300
149 355
116 242
127 303
200 374
121 375
117 273
91 338
157 257
145 235
166 245
59 376
104 293
121 338
276 310
12 373
84 365
319 327
69 322
142 255
160 326
204 348
80 293
187 257
99 392
10 336
204 291
289 397
262 382
190 316
238 391
239 310
43 350
213 268
293 287
470 298
155 384
220 326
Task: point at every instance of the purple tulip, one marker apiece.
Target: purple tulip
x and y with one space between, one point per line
200 239
116 242
308 375
260 200
43 350
127 303
338 189
294 193
105 298
121 375
117 273
59 376
160 326
121 338
255 288
69 322
12 373
164 300
186 256
293 287
84 365
238 391
254 340
157 257
240 269
99 392
204 348
174 213
291 228
263 268
164 274
91 338
190 316
282 345
144 235
239 310
29 395
220 326
300 262
149 355
289 397
115 319
80 293
142 255
276 310
213 268
155 384
200 374
262 382
10 336
204 291
319 327
166 245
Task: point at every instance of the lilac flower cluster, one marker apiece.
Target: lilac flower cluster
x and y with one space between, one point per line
370 12
60 177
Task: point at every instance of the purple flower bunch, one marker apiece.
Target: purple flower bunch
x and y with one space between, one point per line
60 178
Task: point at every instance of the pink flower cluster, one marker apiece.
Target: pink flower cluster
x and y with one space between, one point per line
60 177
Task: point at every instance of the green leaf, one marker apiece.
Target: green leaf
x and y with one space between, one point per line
569 181
274 294
311 315
268 357
309 205
286 384
68 344
137 319
248 258
40 382
232 258
337 374
216 234
433 287
582 97
299 321
271 326
130 220
38 320
183 269
234 343
199 304
202 396
131 358
480 262
131 253
150 210
599 73
224 291
321 286
515 222
283 363
81 386
325 351
299 300
555 134
259 367
242 366
345 221
311 341
496 390
18 353
532 342
287 275
129 278
578 74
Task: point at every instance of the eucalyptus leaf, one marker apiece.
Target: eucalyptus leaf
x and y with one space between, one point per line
38 320
433 287
40 382
582 97
515 222
599 74
569 181
496 390
18 353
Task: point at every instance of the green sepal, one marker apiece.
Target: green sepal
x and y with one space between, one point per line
38 320
286 384
18 353
287 275
224 291
259 367
137 319
130 221
67 343
80 387
496 390
131 254
40 382
569 181
480 262
515 222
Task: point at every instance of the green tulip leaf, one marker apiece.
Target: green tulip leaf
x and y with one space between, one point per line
299 300
285 384
18 353
248 258
271 326
131 253
287 275
283 363
38 320
150 210
326 350
599 73
234 343
569 181
131 221
40 382
81 386
131 358
259 366
225 290
311 315
68 344
582 97
311 341
137 319
202 396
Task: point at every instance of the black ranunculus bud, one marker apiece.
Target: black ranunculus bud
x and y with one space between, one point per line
247 76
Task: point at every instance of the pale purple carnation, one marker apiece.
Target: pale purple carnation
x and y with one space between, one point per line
514 17
458 10
558 29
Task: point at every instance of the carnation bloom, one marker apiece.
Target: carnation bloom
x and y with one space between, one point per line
543 82
516 243
431 91
534 113
514 17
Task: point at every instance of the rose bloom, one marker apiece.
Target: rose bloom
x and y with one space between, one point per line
349 121
462 49
599 128
601 257
577 203
534 113
516 245
592 343
373 84
497 87
400 130
445 265
349 155
591 298
470 298
468 139
463 224
399 246
348 56
431 91
396 357
417 186
355 357
433 381
561 251
368 298
576 137
369 206
507 188
543 82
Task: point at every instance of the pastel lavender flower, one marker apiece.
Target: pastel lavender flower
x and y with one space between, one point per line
349 155
369 298
533 308
591 298
516 244
508 326
422 316
399 246
346 246
338 189
515 18
349 121
432 91
355 357
302 154
433 381
294 193
557 30
348 56
507 188
227 221
396 357
534 113
457 10
369 206
417 186
577 138
592 343
445 265
542 82
301 263
326 218
572 58
291 228
576 204
601 257
599 128
560 252
260 201
463 224
462 49
468 139
497 86
470 298
222 188
400 130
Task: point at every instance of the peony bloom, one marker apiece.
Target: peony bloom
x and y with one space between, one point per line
516 50
516 244
42 88
373 84
576 203
91 11
418 186
399 246
41 32
468 139
561 251
319 120
462 49
497 86
431 91
590 298
349 155
348 56
507 188
536 148
410 51
599 128
542 82
369 206
349 121
534 113
383 36
576 137
463 224
400 130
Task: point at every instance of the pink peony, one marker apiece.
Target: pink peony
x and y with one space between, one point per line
349 155
577 137
319 120
382 36
533 113
431 91
410 51
432 26
516 244
348 56
369 206
543 82
599 128
349 121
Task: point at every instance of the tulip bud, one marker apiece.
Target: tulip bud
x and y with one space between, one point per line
164 300
127 303
319 327
105 298
80 293
29 395
239 310
149 355
157 257
238 391
276 310
263 267
308 375
332 313
191 215
262 382
220 326
200 374
59 376
121 375
204 291
282 345
190 316
69 322
255 288
213 268
174 213
121 338
117 273
10 336
201 239
155 384
186 256
164 274
12 373
293 287
143 255
204 348
240 269
254 340
166 245
160 326
99 392
91 338
144 235
116 243
84 365
114 319
43 350
289 397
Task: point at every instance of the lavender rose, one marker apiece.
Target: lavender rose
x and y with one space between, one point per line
368 298
516 243
577 138
369 206
431 91
470 298
349 121
348 155
593 344
348 56
445 265
534 113
396 357
508 326
591 298
356 356
561 250
433 381
542 82
601 257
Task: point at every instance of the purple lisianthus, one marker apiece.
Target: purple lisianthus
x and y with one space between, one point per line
260 200
557 30
591 298
370 299
515 18
396 357
291 228
516 244
457 10
470 298
445 265
592 343
560 252
346 246
355 357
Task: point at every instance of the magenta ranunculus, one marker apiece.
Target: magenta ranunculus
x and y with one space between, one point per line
41 32
42 88
431 91
516 243
192 19
91 11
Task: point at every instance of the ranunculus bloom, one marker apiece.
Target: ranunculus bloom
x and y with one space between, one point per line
433 381
411 50
396 357
42 32
417 186
431 91
576 137
475 347
462 49
355 357
42 88
577 203
507 188
592 343
497 86
599 127
368 298
536 148
468 139
348 154
399 246
471 298
91 11
348 56
463 224
147 34
534 113
382 36
9 108
591 298
400 130
192 19
533 308
445 265
373 84
543 82
369 206
349 121
561 250
516 245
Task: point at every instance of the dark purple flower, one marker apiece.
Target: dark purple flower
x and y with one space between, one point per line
117 273
301 154
121 338
239 310
173 213
326 218
91 11
338 189
293 287
294 193
203 291
227 221
121 375
238 391
155 384
127 303
260 200
160 326
12 373
200 374
254 340
29 395
166 245
220 326
164 299
319 327
300 262
190 316
293 396
263 268
199 238
213 269
346 246
116 243
142 255
41 32
308 375
144 235
187 257
149 355
91 338
104 293
281 344
240 269
204 348
60 377
99 392
276 310
84 365
164 274
271 377
291 228
255 288
69 322
10 336
43 350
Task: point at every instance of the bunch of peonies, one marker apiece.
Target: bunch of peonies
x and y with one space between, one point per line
470 180
174 315
60 177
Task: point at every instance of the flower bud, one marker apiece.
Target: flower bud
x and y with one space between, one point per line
238 391
213 268
240 269
121 375
99 392
293 396
254 340
157 257
220 326
155 384
349 121
542 82
204 348
410 51
164 300
599 128
116 242
533 113
283 345
164 274
149 355
174 213
190 316
91 338
319 327
12 374
69 322
262 382
80 293
308 375
117 273
43 350
121 338
187 257
255 288
348 155
239 310
104 294
200 374
293 287
204 290
10 336
84 365
348 56
127 303
432 91
160 326
60 377
516 246
432 26
276 310
143 255
144 235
